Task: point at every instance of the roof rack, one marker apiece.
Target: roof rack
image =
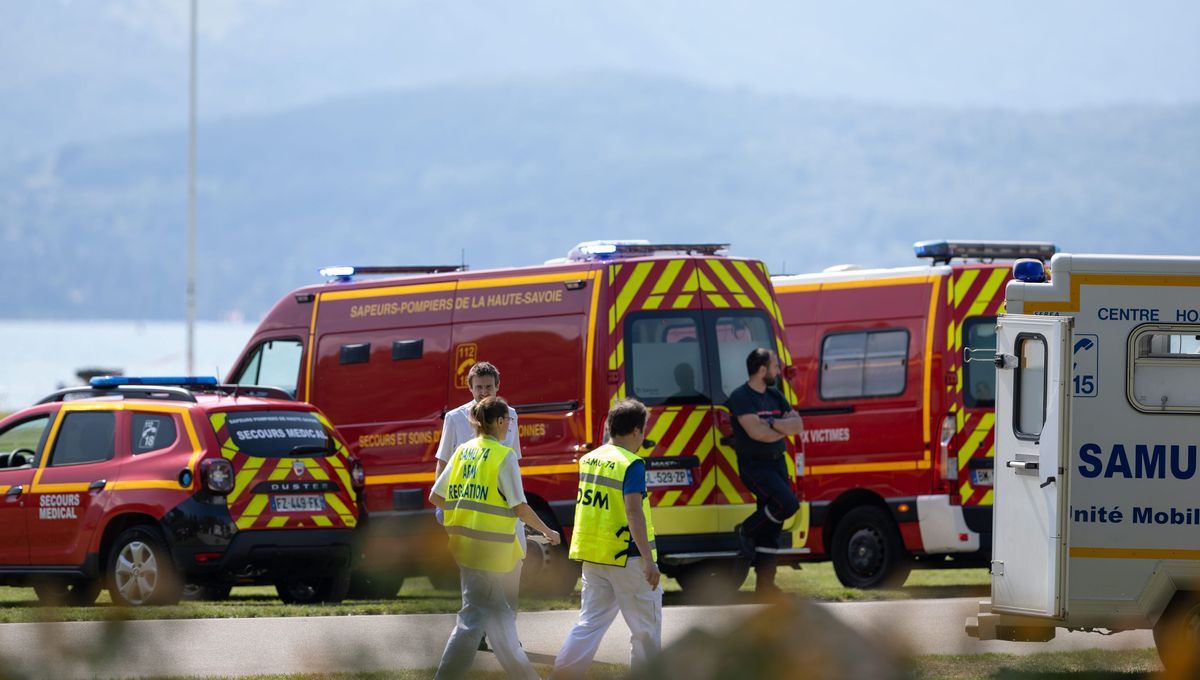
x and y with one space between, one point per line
168 389
614 249
344 273
942 252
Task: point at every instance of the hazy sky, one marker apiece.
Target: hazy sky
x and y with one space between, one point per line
124 62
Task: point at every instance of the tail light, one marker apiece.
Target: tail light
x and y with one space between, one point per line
949 469
724 422
217 475
358 475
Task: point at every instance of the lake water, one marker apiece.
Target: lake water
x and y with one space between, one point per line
38 357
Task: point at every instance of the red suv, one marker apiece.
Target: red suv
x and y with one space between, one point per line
142 485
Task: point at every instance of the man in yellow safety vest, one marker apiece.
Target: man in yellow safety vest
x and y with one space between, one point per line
614 539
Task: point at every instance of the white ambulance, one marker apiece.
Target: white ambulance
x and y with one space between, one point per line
1097 472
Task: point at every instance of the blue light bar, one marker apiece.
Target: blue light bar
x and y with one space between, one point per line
944 251
162 381
1029 271
338 273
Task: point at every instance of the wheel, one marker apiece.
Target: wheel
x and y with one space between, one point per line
867 551
374 585
548 570
207 591
1177 636
712 581
60 592
140 570
327 589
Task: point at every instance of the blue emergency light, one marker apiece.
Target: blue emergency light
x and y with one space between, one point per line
1029 271
338 274
160 381
946 250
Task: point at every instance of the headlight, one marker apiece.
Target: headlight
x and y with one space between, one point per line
218 476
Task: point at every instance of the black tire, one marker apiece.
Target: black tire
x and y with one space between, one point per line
1177 636
63 592
211 592
444 575
314 590
547 570
374 585
867 551
140 570
712 581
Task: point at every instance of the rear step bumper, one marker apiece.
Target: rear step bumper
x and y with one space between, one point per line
988 625
313 552
689 557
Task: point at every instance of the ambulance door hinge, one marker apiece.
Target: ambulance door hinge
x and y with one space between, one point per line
996 568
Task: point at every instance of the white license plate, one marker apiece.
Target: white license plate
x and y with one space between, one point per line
981 477
297 503
681 477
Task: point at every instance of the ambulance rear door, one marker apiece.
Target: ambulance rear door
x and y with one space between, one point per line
1032 416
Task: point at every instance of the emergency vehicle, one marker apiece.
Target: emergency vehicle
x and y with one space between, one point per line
899 432
1097 524
143 484
669 324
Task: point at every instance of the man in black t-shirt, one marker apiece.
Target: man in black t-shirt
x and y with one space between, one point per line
762 421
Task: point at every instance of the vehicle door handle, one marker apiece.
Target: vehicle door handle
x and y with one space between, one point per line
15 490
1049 480
98 485
1022 464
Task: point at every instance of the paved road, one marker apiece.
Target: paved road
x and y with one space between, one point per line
200 647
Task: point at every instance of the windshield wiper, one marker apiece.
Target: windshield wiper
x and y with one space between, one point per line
310 450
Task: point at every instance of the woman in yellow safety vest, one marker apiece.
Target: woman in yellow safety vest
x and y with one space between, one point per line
481 496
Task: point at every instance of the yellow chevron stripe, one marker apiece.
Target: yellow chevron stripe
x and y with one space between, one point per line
977 436
683 301
669 498
661 423
244 476
255 507
336 504
668 277
632 286
724 275
276 522
246 521
717 301
965 491
694 420
963 284
760 291
732 496
952 340
989 291
743 300
322 521
705 490
280 472
653 302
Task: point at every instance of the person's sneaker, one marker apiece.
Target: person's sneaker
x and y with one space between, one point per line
483 645
745 544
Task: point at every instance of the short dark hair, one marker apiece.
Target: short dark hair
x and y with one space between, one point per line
483 368
757 359
486 412
625 416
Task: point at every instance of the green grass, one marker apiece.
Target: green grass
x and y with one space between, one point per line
1084 665
815 581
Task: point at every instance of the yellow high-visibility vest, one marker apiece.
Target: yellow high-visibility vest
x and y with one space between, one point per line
601 533
482 528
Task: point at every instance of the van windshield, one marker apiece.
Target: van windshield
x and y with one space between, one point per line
275 434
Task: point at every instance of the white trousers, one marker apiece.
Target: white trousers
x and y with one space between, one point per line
486 608
606 590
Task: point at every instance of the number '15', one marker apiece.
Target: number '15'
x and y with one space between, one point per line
1085 384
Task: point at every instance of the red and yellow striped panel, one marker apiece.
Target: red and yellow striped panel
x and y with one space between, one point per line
976 291
692 283
251 510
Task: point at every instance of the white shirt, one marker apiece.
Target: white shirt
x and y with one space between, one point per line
457 431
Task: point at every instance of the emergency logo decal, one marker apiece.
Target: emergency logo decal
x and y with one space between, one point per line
465 356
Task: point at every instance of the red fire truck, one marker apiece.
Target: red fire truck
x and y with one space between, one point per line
668 324
899 430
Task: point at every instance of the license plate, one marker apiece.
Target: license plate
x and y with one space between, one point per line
981 477
297 503
656 478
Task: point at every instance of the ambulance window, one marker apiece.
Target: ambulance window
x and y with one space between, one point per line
25 439
979 377
866 364
151 432
737 335
664 362
1030 386
1165 369
274 363
84 437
